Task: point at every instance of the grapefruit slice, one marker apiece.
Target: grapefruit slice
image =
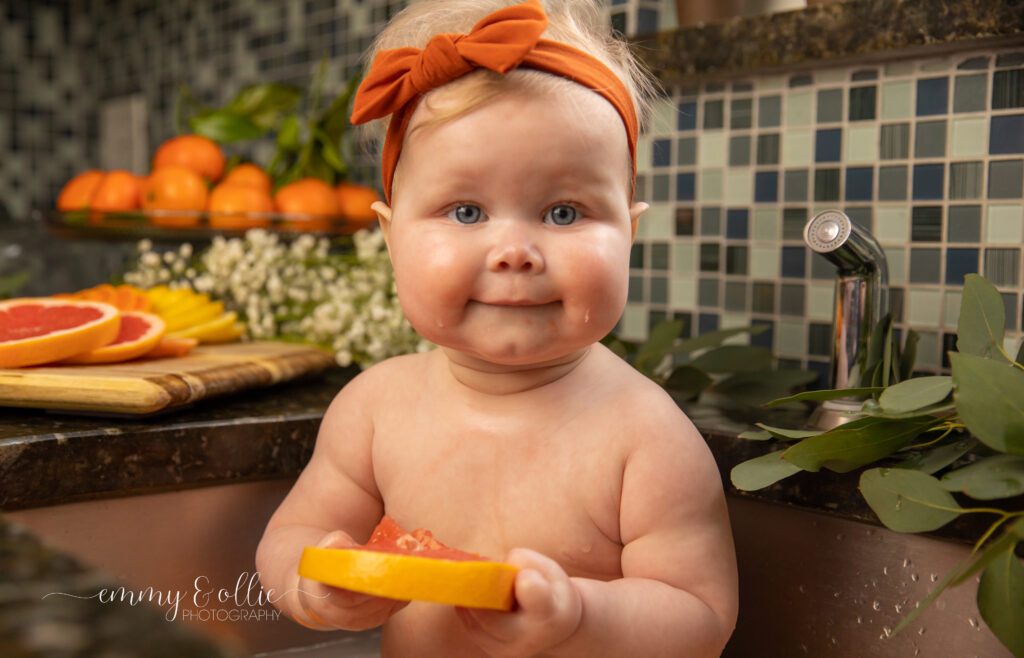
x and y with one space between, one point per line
139 333
412 567
41 330
169 347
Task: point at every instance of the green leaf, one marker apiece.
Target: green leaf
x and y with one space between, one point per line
756 388
715 338
873 353
937 458
657 345
908 501
1010 537
734 358
783 434
989 395
827 394
999 476
909 356
982 318
916 393
224 126
1020 354
11 283
334 121
856 443
288 134
762 471
872 408
1001 600
265 103
755 435
686 383
330 154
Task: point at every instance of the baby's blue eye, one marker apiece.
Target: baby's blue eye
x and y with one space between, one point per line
466 214
561 215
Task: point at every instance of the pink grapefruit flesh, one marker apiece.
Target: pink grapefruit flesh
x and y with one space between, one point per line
139 333
42 330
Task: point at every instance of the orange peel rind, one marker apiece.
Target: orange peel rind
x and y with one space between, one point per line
465 583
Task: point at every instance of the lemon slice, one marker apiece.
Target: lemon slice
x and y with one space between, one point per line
466 583
219 329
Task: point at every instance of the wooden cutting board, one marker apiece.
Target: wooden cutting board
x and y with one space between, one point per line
150 385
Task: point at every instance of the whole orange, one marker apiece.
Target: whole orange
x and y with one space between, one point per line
117 191
230 204
355 200
174 188
248 174
308 196
193 151
76 192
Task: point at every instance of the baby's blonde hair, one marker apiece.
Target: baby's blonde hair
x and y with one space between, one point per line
577 23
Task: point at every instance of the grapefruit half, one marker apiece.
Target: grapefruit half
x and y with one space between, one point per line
412 567
42 330
139 333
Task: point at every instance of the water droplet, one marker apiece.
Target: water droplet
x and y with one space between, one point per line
917 652
914 577
886 632
899 503
835 595
586 316
875 605
885 571
834 641
906 563
973 622
802 589
839 536
934 577
920 631
899 608
860 620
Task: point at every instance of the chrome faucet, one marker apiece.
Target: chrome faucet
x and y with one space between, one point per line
861 300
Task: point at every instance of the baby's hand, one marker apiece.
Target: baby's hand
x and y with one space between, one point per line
548 610
334 607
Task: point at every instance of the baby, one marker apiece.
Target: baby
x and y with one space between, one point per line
508 172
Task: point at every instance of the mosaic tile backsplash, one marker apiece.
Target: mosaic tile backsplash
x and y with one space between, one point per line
926 153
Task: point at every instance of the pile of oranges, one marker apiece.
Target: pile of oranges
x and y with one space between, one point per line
188 182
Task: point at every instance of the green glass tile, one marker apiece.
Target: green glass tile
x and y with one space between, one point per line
769 111
710 257
896 258
658 223
686 151
896 69
926 224
1003 224
1005 60
896 99
964 224
768 149
739 187
643 154
766 224
830 76
714 112
830 105
684 221
707 292
951 308
791 299
892 183
764 262
821 268
659 290
1006 179
862 143
739 151
970 93
636 289
862 103
762 298
968 137
736 257
894 141
1002 267
793 222
965 180
798 108
933 65
896 304
633 323
974 64
664 116
797 147
923 307
659 256
711 150
795 185
930 139
925 265
711 221
636 256
820 297
1008 89
711 185
826 184
741 113
736 296
684 256
789 337
682 292
660 187
819 339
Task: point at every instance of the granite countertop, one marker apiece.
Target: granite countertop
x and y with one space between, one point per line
850 31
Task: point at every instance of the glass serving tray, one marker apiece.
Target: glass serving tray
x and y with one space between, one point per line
180 225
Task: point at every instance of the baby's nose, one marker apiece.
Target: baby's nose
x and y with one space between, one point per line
515 254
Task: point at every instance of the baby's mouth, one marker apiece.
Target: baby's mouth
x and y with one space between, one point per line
516 303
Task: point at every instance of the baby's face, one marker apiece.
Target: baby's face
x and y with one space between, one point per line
511 227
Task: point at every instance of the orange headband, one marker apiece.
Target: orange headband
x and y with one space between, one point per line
502 41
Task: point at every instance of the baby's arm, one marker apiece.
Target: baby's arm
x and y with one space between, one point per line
334 496
678 593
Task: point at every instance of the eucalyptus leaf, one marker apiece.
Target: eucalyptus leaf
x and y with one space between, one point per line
982 318
759 472
989 395
330 153
1001 600
908 501
939 457
734 358
786 434
999 476
657 345
873 353
755 435
915 393
909 357
686 383
856 443
1020 354
887 349
827 394
1010 537
288 133
715 338
756 388
872 408
224 126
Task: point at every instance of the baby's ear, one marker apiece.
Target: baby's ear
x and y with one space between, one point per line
635 211
383 211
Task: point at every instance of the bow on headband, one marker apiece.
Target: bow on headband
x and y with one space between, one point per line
502 41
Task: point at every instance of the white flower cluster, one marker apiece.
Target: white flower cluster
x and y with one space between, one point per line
296 291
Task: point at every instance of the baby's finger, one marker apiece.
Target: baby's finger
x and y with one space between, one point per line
337 539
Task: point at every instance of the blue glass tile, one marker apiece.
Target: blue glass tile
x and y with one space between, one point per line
687 117
932 96
928 181
827 145
859 183
737 224
707 322
685 187
794 262
684 221
765 338
646 21
766 186
661 153
959 263
1006 134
